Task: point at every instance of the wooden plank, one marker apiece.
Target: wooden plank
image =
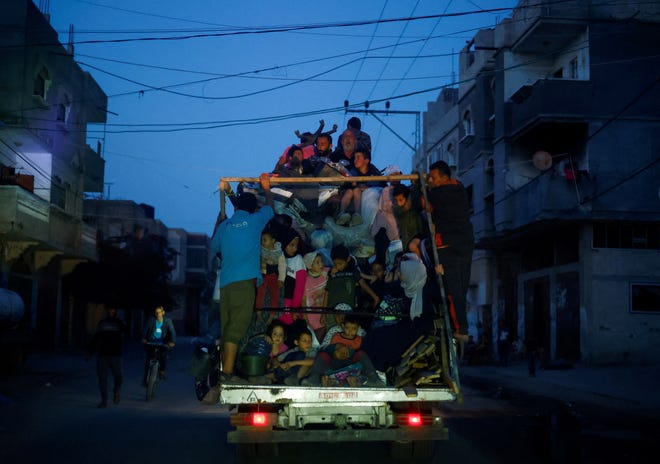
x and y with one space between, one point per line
322 180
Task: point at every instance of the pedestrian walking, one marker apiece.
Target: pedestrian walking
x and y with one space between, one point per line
107 343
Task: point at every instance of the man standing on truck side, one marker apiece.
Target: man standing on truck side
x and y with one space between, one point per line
454 239
238 240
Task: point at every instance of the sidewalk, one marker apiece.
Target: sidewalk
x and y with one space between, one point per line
631 389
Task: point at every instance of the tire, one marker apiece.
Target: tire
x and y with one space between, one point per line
248 451
152 380
401 450
406 450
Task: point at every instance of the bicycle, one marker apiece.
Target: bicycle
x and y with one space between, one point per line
153 369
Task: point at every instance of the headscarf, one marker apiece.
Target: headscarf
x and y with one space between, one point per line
309 258
413 278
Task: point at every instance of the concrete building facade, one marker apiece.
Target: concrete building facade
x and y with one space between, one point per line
558 114
46 104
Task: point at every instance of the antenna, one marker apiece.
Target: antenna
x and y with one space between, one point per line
453 70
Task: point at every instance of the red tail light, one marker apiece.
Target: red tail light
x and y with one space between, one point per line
259 419
415 419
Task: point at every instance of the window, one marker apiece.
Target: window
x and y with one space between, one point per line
641 236
64 109
467 123
644 298
41 83
58 195
451 155
573 68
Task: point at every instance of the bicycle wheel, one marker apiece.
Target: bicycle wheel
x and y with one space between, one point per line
152 380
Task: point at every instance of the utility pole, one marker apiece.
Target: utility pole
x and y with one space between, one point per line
108 184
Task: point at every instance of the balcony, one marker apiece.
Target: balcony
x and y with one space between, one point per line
547 27
23 214
26 218
548 197
547 100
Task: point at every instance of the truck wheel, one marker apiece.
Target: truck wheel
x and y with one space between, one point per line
257 450
266 450
411 449
423 449
401 450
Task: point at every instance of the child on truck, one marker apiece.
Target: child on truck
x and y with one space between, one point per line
273 269
343 362
294 364
314 294
338 365
345 279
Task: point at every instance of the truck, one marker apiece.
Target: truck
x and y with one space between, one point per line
403 414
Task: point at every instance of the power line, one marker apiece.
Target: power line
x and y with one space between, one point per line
302 27
250 121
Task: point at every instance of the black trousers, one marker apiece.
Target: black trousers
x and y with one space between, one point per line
457 264
114 365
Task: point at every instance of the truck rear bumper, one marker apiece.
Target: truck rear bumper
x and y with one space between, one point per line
428 433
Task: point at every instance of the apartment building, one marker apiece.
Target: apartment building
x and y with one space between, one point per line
46 104
556 139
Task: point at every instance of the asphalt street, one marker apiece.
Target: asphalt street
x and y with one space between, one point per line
48 413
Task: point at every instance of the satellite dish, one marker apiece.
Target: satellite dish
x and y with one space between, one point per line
542 160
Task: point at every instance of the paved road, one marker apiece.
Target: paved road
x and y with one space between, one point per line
49 414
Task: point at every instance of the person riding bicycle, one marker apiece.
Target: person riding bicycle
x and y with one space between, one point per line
158 330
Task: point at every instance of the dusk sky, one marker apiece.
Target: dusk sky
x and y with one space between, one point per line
202 89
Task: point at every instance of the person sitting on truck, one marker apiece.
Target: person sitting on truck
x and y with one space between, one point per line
345 278
362 139
344 153
297 166
386 343
338 365
306 144
349 333
339 318
352 193
324 145
294 364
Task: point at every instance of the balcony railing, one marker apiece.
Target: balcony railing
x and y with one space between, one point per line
548 99
547 197
25 217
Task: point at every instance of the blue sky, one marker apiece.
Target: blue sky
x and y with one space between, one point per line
222 101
